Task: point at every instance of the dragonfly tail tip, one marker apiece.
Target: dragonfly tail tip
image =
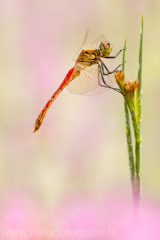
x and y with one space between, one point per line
34 130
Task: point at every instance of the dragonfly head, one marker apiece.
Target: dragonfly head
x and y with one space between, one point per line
105 48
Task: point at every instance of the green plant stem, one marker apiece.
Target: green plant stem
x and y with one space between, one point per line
135 110
138 114
135 126
129 145
137 154
128 134
139 91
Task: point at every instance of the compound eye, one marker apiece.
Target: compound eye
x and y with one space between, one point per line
109 45
103 44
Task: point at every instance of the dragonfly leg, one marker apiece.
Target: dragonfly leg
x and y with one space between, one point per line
116 54
105 84
104 66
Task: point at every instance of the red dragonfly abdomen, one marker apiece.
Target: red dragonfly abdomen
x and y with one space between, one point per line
53 97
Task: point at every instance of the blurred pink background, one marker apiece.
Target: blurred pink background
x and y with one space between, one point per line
78 158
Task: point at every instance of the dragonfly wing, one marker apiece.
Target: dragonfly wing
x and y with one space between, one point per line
87 83
82 47
108 80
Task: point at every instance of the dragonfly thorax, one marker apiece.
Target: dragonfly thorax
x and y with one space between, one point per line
105 48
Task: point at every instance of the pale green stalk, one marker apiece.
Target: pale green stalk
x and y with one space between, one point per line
135 111
138 112
128 132
136 119
131 91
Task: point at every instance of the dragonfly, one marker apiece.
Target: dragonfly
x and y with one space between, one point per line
89 76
